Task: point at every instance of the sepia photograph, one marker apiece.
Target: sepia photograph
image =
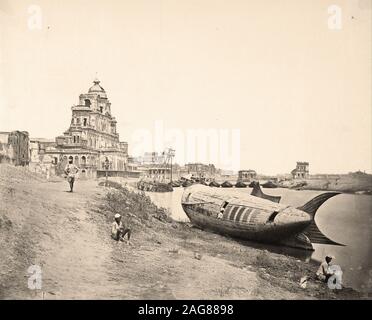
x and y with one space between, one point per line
187 150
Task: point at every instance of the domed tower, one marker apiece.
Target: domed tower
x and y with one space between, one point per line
96 99
92 133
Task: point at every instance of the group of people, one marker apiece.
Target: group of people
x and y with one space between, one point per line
118 229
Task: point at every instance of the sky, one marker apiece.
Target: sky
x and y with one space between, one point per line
287 80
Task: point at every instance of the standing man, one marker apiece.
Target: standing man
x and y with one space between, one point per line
71 170
106 165
118 231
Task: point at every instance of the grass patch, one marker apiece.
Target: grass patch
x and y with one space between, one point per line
134 207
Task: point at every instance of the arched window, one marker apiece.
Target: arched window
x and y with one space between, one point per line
71 158
76 160
87 103
83 160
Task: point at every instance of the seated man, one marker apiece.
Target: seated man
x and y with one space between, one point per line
323 272
118 231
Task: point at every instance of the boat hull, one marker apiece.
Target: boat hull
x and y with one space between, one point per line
285 235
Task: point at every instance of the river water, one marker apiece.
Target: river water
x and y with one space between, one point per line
346 219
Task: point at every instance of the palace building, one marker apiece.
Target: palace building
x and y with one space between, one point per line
301 171
247 175
91 141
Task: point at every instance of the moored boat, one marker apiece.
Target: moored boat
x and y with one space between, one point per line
269 184
187 183
175 184
214 184
240 184
226 184
154 186
255 218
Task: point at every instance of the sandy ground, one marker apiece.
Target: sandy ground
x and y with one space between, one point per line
42 224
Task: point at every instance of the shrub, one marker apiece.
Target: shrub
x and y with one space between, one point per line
133 206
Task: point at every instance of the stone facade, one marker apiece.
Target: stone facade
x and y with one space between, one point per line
247 175
92 139
14 147
301 171
40 161
201 170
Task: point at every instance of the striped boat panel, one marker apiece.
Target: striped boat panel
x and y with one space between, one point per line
246 215
240 213
233 212
259 216
227 212
253 219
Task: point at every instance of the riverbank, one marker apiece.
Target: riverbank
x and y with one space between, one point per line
350 183
68 236
358 183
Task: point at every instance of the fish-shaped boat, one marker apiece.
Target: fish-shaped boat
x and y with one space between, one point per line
254 218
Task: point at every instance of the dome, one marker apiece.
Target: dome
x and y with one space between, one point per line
96 88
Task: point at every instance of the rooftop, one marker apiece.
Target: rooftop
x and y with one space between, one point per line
96 88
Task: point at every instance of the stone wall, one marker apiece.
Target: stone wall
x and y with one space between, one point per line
14 148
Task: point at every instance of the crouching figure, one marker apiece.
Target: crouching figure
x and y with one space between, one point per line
119 230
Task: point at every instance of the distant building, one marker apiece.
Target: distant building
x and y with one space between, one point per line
153 158
40 162
158 173
14 147
227 173
149 158
91 141
247 175
201 170
301 171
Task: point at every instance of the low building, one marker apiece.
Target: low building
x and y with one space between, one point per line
201 170
247 175
158 173
14 147
40 161
301 171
